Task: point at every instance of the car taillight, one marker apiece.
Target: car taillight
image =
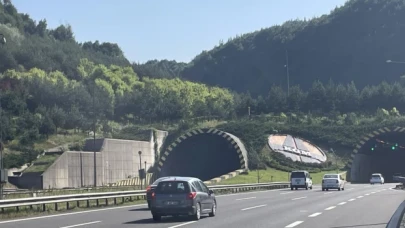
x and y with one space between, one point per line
148 188
192 195
153 195
323 181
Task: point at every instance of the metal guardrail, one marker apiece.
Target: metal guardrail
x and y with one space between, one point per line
396 219
139 194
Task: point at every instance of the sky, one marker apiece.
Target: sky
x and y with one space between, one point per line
174 30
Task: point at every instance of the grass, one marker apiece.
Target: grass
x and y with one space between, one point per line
270 175
59 140
42 163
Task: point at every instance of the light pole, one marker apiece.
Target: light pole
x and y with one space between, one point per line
288 73
3 42
140 166
94 140
145 175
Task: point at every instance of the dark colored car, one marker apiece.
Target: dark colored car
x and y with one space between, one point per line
151 188
178 196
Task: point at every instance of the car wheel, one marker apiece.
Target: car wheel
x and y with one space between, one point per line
323 189
296 188
306 187
343 189
339 189
214 210
197 214
156 217
292 188
327 189
310 187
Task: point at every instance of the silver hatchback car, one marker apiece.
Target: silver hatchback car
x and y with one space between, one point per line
182 196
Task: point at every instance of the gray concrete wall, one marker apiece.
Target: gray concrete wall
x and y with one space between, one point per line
160 139
361 168
73 169
117 160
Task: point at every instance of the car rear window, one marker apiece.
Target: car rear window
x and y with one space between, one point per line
375 176
330 176
159 180
297 175
172 187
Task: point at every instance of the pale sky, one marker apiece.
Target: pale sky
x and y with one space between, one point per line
174 30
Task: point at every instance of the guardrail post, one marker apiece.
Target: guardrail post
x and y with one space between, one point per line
67 205
56 206
115 201
77 203
106 201
17 209
97 202
88 203
43 207
123 199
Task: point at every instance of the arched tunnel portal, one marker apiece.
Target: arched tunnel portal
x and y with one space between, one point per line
203 153
381 151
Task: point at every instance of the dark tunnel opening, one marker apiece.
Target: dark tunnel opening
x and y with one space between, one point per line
383 154
204 156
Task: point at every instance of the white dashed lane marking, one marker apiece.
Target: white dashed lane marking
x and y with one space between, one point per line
249 208
342 203
359 197
294 224
284 193
299 198
351 200
315 214
330 208
247 198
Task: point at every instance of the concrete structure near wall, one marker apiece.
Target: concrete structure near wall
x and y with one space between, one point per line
116 160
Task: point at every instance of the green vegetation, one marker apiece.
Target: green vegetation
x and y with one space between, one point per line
272 175
53 90
352 43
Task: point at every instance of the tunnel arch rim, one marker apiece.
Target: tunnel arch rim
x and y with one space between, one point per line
240 149
369 136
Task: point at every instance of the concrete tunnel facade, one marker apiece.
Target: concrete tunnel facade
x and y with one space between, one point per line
382 159
203 153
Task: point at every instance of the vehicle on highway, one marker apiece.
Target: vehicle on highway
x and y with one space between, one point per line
151 188
177 196
333 181
377 178
300 179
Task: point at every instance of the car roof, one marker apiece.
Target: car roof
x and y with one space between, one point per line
376 174
177 178
299 171
331 174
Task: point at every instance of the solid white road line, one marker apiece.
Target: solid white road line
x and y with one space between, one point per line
294 224
67 214
182 224
247 198
244 209
315 214
82 224
330 208
299 198
342 203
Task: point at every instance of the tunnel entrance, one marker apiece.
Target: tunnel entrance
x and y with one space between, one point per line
383 153
204 156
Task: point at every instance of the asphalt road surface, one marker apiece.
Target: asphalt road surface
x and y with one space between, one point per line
359 205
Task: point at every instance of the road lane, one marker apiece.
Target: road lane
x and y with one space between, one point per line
273 208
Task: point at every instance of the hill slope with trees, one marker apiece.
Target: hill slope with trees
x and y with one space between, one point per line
352 43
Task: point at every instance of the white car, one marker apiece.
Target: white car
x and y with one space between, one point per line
377 178
300 179
333 181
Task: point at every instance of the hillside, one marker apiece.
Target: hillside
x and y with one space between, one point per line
31 44
352 43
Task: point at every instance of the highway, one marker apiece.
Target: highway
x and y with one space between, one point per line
359 205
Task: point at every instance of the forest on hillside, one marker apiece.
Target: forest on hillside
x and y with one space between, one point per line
352 43
50 83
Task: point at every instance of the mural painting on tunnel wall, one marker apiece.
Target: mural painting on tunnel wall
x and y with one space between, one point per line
234 144
355 168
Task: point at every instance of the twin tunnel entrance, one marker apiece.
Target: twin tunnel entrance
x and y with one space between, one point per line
381 151
210 153
203 153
